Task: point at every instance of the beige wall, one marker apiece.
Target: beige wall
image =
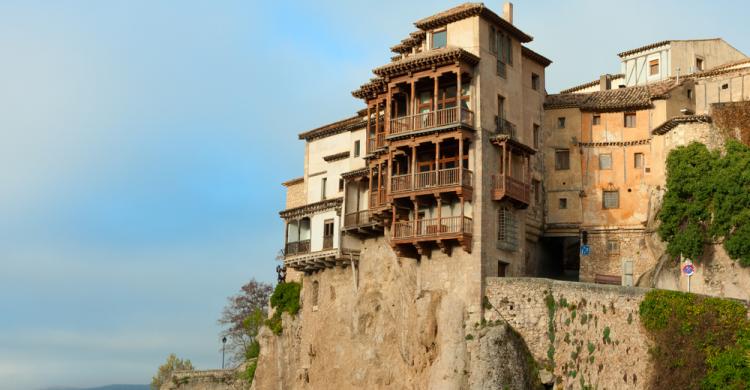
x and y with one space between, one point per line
713 52
710 90
295 195
562 183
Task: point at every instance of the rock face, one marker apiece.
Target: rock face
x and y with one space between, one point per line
503 361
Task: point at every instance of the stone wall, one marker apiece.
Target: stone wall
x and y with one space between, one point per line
228 379
586 334
611 249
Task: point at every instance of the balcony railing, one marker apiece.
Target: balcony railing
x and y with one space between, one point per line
505 127
430 179
377 199
327 242
357 218
297 247
432 227
503 185
375 143
428 120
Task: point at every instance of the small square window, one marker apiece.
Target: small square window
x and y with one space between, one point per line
562 159
562 203
611 200
561 122
535 81
439 39
653 67
605 161
596 120
613 247
690 93
638 160
502 269
630 119
698 64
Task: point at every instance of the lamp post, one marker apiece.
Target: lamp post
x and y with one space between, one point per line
223 345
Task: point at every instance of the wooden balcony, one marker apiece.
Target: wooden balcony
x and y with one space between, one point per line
506 187
375 143
423 231
297 247
362 222
430 182
505 127
378 200
431 120
327 258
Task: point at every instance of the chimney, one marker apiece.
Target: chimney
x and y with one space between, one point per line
508 11
605 83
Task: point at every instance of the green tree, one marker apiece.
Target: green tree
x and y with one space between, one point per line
172 364
243 315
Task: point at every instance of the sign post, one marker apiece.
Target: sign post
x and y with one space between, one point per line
688 269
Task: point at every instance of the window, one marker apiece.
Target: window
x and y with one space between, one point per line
356 148
502 268
562 159
725 86
638 160
328 234
504 52
605 161
536 185
561 122
493 40
506 229
562 203
596 120
323 182
535 81
439 39
536 136
501 106
630 119
613 247
611 199
341 185
698 64
690 93
653 67
315 292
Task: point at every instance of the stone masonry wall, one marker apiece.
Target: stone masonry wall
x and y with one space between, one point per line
588 335
228 379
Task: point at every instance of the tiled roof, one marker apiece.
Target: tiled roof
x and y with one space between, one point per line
336 156
658 44
369 89
725 68
674 122
531 54
425 60
355 173
306 210
406 44
619 99
341 126
467 10
294 181
591 83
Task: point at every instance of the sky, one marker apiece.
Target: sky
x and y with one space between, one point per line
143 143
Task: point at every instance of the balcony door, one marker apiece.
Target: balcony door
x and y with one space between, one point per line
328 234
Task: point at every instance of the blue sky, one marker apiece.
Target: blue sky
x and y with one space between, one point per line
143 145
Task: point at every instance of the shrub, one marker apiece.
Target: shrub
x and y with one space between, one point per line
285 298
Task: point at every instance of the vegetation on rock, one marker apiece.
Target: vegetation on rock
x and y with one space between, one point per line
707 200
243 316
285 298
173 363
699 342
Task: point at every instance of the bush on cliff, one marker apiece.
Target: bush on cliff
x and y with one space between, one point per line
698 342
285 298
707 200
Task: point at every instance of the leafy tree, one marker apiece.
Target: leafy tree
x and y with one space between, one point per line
707 200
243 315
165 370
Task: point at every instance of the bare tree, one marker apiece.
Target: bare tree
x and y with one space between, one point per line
242 317
173 363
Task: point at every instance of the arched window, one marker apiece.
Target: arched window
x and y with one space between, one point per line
315 292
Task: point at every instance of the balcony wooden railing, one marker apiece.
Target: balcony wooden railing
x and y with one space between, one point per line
503 185
505 127
297 247
428 120
375 143
430 179
327 242
377 199
432 227
357 218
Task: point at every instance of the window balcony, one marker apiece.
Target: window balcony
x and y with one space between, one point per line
506 187
296 248
326 258
505 127
431 120
443 180
437 230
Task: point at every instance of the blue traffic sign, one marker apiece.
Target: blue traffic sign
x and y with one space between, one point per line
585 250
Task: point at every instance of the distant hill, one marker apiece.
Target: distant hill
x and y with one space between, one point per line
108 387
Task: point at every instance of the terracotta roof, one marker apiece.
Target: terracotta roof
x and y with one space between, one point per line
425 60
311 208
676 121
370 89
341 126
414 39
467 10
725 68
355 173
660 43
336 156
591 83
531 54
294 181
619 99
